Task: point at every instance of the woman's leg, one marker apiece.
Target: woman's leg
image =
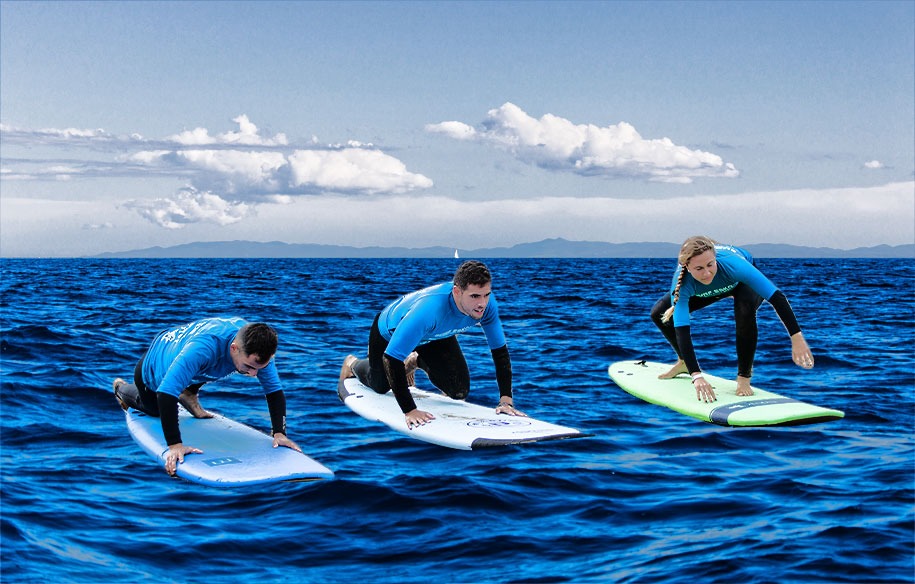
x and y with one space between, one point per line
666 328
746 303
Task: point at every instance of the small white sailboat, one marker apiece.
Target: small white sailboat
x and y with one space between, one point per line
456 256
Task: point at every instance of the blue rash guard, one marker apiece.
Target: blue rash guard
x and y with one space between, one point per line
735 266
196 353
429 315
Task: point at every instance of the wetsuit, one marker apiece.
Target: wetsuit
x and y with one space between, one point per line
428 321
737 277
188 357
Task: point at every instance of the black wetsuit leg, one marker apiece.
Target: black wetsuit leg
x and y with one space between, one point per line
667 328
442 360
746 304
444 363
136 395
371 371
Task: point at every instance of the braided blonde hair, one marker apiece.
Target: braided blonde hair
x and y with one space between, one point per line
692 247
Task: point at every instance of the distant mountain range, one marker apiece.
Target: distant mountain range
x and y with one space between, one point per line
548 248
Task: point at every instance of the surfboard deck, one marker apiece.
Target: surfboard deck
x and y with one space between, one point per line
763 408
457 424
234 454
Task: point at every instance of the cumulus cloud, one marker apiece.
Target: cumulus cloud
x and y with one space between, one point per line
556 143
245 173
247 135
873 164
353 170
456 130
228 173
191 206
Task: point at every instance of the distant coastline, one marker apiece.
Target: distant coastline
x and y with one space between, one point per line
548 248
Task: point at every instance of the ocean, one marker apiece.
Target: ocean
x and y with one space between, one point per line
649 496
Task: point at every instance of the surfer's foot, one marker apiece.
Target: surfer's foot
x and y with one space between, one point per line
743 386
118 383
679 368
347 370
191 403
411 363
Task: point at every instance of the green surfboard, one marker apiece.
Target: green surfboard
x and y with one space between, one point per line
763 408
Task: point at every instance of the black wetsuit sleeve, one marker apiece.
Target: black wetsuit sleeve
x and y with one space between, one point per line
503 370
780 303
276 404
687 351
397 377
168 415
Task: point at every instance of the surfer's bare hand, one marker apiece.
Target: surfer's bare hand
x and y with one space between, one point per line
800 351
704 391
417 417
175 456
280 439
505 407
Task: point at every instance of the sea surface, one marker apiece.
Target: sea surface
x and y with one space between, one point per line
650 496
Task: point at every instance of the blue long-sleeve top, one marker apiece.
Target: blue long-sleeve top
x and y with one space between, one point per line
198 352
430 314
735 266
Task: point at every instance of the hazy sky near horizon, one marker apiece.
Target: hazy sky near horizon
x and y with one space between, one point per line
126 125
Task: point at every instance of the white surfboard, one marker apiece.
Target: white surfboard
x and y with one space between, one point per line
457 424
233 454
763 408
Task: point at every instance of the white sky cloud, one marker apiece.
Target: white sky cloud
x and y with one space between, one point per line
456 130
239 171
873 164
255 182
190 206
555 143
844 218
353 170
228 173
247 135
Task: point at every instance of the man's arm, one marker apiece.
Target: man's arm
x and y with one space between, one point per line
503 364
397 377
276 404
168 416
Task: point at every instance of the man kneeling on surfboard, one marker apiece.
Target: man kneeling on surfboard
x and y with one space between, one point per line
419 331
180 361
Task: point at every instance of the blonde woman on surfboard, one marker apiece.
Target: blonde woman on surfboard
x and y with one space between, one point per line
706 273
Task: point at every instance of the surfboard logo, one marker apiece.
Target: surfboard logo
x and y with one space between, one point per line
720 414
222 461
506 423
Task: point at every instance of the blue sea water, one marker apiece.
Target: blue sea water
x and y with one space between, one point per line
650 496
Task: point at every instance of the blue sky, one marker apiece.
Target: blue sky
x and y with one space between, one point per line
126 125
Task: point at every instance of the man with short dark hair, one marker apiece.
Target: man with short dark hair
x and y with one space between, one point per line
179 361
419 331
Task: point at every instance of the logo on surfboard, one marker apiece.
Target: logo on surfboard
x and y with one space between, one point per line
222 461
508 422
